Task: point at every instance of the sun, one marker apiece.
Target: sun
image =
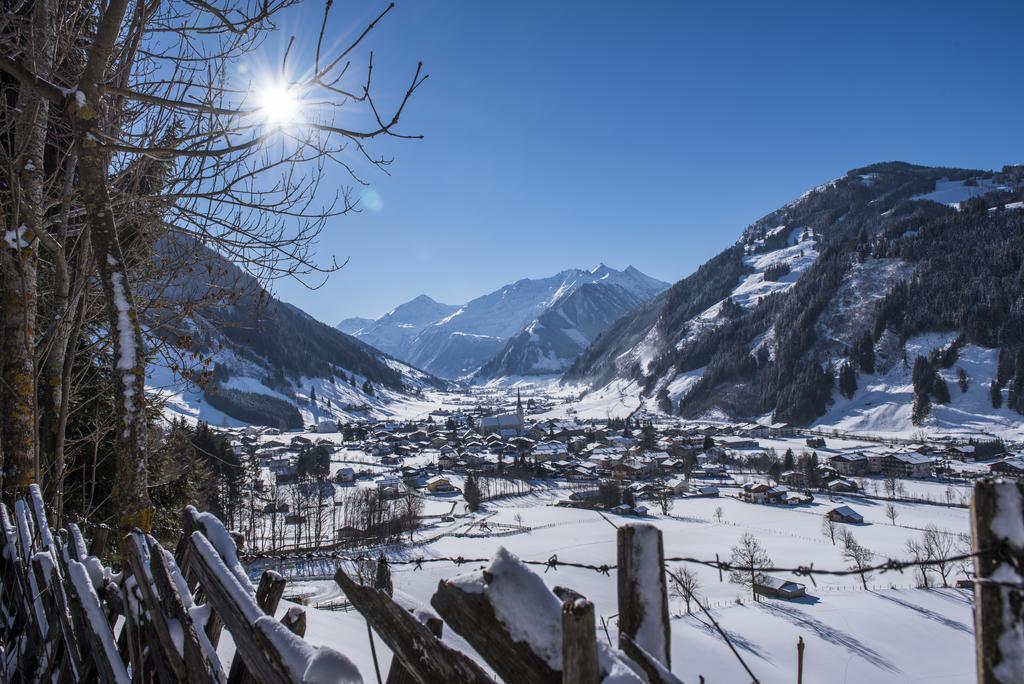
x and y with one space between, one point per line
278 105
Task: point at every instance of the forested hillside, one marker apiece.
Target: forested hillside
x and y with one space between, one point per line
898 250
253 355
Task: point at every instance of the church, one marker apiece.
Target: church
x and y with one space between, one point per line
506 424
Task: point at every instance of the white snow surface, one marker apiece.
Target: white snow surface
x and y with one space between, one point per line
892 633
953 193
883 401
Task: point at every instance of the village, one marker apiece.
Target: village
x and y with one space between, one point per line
626 467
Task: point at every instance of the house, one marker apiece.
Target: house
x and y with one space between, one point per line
622 509
854 463
439 483
640 510
345 475
708 490
793 478
841 486
907 465
964 452
1012 467
754 492
845 514
779 588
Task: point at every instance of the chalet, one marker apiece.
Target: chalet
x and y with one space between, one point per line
385 482
345 475
632 469
841 486
677 485
776 587
549 451
754 492
845 514
907 465
793 478
710 491
1012 467
964 452
439 483
854 463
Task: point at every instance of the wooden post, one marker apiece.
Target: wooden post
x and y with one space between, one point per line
997 527
414 645
800 660
268 596
643 594
295 620
579 643
398 674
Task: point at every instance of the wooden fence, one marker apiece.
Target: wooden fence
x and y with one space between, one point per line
67 617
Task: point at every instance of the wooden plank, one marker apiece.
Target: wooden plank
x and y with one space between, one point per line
200 659
295 620
238 610
643 594
268 596
102 653
579 643
170 664
398 674
422 654
57 612
997 524
472 616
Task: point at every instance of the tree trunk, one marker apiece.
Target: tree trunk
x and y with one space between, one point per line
131 483
20 263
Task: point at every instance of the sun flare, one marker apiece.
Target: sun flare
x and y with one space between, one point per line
278 105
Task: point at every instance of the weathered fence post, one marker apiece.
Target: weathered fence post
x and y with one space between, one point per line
643 595
579 643
800 660
997 531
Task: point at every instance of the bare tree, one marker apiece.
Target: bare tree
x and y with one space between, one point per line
154 136
939 546
749 557
718 514
684 585
859 557
919 553
891 485
665 501
828 528
891 513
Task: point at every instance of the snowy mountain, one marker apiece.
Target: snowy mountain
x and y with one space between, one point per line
395 331
238 355
456 341
793 313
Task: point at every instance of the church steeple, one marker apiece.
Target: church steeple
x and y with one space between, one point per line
519 407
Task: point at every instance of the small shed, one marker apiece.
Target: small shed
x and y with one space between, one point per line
777 587
845 514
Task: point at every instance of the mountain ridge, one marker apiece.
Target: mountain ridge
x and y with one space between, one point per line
461 339
765 326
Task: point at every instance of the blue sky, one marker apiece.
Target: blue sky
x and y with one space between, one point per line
563 134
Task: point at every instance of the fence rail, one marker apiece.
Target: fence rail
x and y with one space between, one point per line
67 617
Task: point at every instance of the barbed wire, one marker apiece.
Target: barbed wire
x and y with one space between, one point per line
554 563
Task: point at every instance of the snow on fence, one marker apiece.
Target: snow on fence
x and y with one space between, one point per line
64 616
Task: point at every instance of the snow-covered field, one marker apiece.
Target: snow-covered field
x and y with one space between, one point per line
891 632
